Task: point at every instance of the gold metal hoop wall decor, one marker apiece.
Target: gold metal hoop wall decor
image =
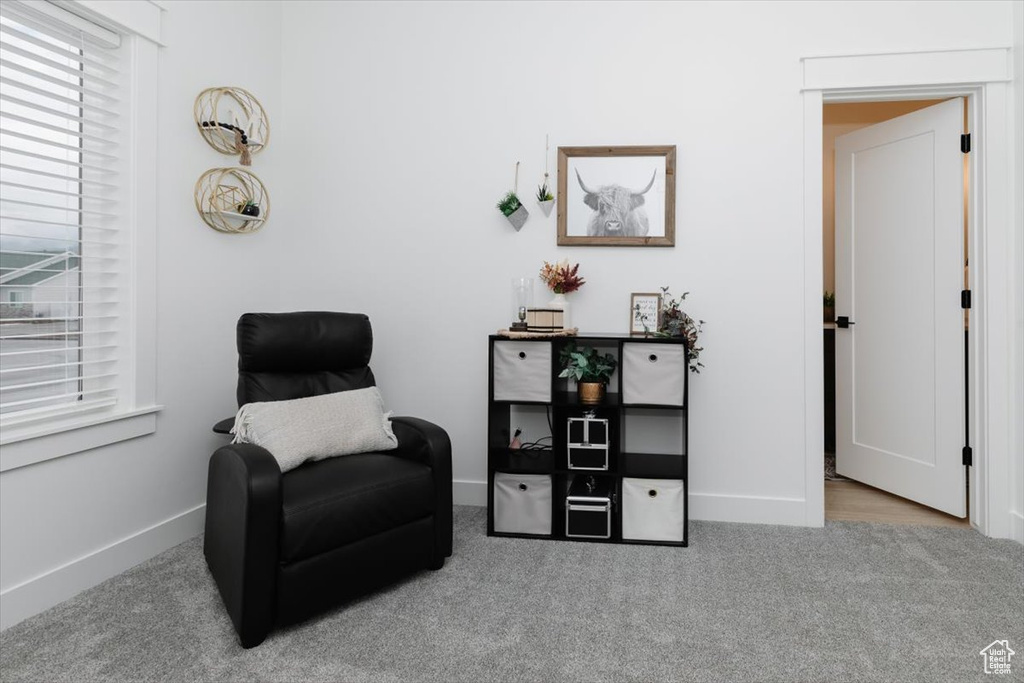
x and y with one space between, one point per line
232 121
232 200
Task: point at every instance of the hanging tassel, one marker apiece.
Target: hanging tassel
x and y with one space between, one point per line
242 148
242 429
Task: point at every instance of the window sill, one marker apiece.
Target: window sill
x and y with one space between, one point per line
27 447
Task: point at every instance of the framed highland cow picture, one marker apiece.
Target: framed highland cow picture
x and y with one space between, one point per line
617 196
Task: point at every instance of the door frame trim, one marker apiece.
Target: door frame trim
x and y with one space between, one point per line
982 76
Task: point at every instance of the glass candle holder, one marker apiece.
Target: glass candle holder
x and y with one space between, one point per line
522 300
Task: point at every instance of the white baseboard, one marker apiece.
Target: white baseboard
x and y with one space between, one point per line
31 597
712 507
1017 527
704 506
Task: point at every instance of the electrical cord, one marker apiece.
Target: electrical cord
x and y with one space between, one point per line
537 445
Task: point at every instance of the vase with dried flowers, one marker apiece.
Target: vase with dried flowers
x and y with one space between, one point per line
676 323
562 279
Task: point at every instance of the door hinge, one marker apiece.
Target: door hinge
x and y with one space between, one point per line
965 143
968 456
965 298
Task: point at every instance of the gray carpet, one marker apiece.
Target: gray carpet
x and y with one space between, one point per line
850 602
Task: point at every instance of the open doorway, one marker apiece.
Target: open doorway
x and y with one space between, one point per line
846 498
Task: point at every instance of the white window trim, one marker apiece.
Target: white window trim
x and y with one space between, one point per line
140 17
51 442
28 444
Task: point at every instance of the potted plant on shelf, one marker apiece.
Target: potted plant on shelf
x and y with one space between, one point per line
828 302
513 210
249 208
590 369
676 323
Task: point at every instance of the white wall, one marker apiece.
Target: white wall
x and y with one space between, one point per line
1017 437
414 114
71 522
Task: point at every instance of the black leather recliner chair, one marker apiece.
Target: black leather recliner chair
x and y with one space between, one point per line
283 547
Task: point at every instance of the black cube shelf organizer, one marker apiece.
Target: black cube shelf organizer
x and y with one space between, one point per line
545 493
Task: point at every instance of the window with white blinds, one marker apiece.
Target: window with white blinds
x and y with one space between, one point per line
63 241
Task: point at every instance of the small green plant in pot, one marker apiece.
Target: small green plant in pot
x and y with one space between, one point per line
545 199
828 303
513 210
589 368
249 208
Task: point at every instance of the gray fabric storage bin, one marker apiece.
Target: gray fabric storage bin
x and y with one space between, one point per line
652 509
522 503
522 371
654 374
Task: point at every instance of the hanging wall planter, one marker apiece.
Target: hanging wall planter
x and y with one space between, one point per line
545 199
512 208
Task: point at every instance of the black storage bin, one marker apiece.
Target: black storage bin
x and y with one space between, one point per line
587 446
588 508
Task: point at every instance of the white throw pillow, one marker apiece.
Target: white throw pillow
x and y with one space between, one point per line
317 427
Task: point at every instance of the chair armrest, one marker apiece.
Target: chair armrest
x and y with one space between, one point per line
427 443
243 513
224 426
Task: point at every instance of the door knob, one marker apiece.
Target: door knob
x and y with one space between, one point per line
844 322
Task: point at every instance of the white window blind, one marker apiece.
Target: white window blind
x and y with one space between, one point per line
63 243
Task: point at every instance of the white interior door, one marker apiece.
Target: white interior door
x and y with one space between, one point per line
899 272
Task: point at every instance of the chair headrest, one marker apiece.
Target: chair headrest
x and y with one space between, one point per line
306 341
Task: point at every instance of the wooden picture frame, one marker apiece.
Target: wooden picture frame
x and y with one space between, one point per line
602 200
641 306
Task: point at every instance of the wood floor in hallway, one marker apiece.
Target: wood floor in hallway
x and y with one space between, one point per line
851 501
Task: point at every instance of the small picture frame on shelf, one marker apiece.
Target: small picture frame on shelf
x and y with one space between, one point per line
644 314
